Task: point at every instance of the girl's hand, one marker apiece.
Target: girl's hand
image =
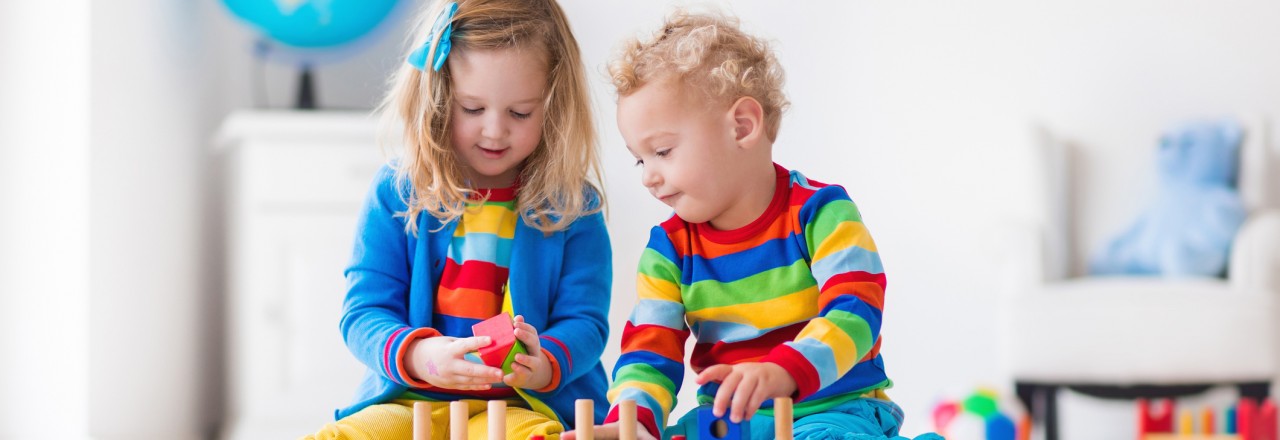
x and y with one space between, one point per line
748 384
610 431
438 361
530 371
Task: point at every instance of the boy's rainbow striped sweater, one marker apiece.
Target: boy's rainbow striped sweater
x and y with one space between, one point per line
801 286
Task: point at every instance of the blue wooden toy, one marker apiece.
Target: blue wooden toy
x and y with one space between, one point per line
707 419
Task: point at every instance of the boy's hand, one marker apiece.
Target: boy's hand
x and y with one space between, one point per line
610 431
748 384
438 361
530 371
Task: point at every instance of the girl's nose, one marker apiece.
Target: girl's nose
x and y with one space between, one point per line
493 127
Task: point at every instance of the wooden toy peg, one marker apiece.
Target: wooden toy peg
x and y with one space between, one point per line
1207 427
585 421
497 419
458 415
782 418
422 421
1229 420
1186 422
627 420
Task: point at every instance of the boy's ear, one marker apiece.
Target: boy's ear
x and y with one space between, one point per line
748 119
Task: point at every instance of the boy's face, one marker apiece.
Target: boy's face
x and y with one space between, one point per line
497 111
686 146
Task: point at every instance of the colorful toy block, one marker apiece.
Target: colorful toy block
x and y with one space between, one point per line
707 421
1160 421
1247 421
503 346
1257 422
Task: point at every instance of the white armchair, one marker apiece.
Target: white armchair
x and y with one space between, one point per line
1130 337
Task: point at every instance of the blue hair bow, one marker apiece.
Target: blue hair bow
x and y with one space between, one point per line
440 33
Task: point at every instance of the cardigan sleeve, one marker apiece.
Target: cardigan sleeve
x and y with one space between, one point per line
375 320
578 323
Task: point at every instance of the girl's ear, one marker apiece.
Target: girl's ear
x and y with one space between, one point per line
748 120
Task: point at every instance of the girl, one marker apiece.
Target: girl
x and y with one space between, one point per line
493 208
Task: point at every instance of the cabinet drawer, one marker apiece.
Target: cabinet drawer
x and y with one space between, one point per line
281 173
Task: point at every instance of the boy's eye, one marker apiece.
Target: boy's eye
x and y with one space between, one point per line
639 162
472 111
663 152
519 115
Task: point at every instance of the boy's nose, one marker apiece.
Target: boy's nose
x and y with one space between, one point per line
650 177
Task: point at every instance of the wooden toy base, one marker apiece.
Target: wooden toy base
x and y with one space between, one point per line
1190 437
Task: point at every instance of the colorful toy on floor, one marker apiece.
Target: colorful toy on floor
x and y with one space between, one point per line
1245 421
982 415
704 425
728 429
503 346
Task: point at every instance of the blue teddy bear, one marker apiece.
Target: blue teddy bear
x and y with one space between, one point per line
1189 229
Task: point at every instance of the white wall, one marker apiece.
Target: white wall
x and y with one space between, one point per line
149 308
44 219
920 109
100 139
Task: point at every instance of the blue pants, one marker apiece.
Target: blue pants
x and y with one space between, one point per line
858 419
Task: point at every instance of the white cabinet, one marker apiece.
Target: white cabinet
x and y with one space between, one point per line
295 183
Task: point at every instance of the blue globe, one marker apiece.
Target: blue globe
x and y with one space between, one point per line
313 24
310 32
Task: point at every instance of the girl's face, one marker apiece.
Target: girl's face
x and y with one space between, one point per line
497 111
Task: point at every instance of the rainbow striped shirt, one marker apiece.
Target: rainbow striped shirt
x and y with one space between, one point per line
479 258
801 286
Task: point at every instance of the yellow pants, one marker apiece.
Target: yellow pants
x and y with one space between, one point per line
395 421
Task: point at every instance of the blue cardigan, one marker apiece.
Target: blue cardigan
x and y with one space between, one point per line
560 283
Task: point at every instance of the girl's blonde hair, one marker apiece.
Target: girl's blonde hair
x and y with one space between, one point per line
709 52
560 181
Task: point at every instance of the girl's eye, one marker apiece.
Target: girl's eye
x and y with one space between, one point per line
663 152
639 162
472 111
519 115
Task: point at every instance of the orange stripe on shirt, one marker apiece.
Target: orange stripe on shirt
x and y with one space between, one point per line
656 339
868 292
781 227
468 303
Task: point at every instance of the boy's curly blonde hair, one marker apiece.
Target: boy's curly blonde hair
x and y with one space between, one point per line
709 52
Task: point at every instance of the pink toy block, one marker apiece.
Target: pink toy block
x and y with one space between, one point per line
1265 428
1257 422
501 332
1160 422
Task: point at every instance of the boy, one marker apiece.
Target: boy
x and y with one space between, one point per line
775 275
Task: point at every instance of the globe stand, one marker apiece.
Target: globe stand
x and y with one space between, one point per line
306 90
